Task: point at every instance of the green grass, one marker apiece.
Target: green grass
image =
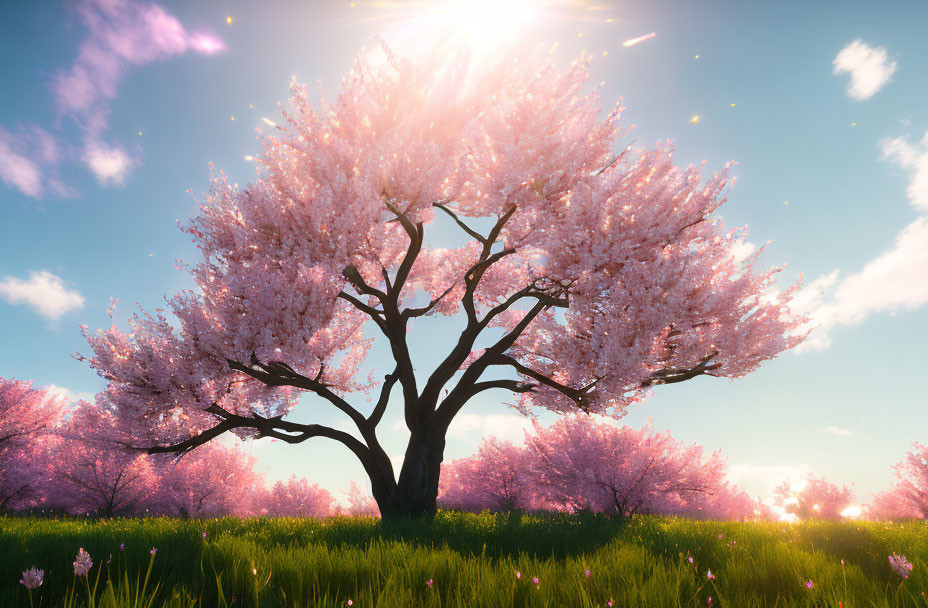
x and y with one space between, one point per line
471 558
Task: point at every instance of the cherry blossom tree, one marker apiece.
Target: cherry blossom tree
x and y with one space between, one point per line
496 478
95 471
359 504
598 276
297 498
578 464
210 481
813 498
27 415
908 496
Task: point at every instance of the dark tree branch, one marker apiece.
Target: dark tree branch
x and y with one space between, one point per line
511 385
381 406
410 313
471 232
357 281
280 374
672 375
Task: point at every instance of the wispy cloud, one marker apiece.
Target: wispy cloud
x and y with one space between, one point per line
838 432
29 158
509 427
122 34
894 280
44 292
870 68
914 159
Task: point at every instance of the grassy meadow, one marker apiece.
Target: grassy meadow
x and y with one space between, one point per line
472 561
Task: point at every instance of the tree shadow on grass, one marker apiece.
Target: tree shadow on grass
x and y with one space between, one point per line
492 534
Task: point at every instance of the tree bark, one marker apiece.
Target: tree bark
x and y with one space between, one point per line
415 493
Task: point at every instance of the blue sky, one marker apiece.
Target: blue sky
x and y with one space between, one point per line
93 214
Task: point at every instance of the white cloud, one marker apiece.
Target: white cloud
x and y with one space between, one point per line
44 292
109 164
72 396
870 68
508 427
839 432
894 280
914 159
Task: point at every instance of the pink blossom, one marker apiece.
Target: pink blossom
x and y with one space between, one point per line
82 563
429 583
900 565
709 575
809 584
32 578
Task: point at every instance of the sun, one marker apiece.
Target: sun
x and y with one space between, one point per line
488 21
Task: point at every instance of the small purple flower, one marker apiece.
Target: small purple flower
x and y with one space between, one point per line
720 537
587 573
609 603
689 558
535 580
349 602
518 574
153 550
709 575
429 583
709 601
900 565
83 563
122 546
32 579
809 584
204 534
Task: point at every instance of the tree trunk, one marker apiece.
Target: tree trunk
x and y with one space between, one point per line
415 493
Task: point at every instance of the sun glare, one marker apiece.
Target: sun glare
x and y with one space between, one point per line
489 20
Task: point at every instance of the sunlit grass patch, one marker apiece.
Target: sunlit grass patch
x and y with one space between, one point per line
471 560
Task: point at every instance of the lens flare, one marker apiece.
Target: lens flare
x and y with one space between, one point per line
488 20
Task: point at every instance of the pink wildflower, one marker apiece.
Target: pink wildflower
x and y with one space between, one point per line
709 575
900 565
83 563
32 579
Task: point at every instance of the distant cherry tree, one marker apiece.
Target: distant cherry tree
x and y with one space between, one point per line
593 272
95 471
359 503
297 497
581 465
210 481
815 498
495 478
27 416
908 495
